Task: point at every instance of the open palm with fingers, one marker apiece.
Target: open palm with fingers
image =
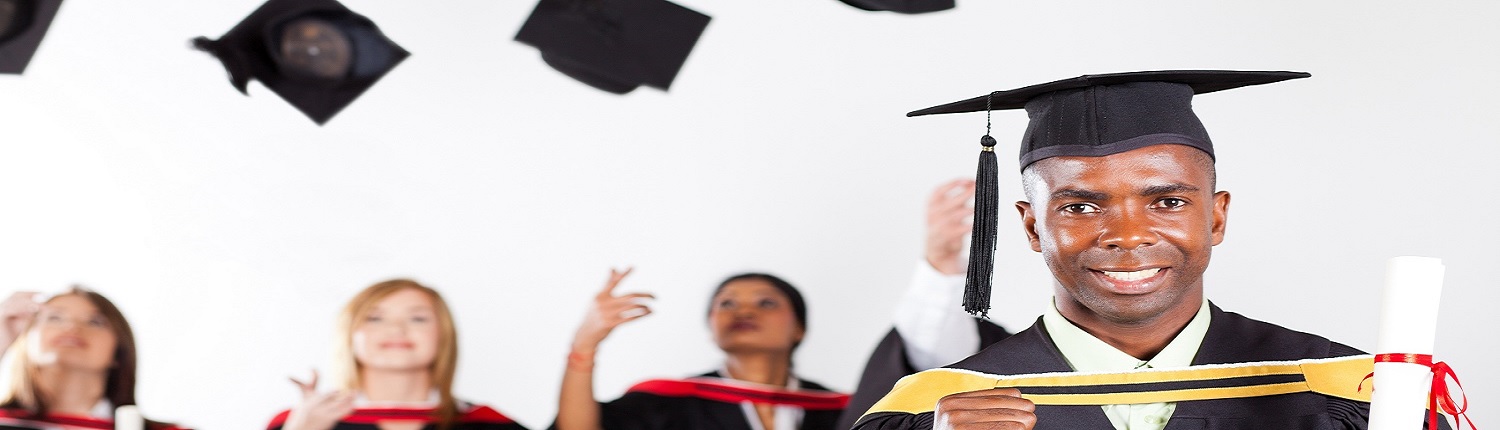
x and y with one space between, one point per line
609 311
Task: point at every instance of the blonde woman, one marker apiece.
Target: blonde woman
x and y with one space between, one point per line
393 369
70 363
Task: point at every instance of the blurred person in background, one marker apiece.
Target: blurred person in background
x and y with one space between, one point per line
931 329
69 364
393 370
757 319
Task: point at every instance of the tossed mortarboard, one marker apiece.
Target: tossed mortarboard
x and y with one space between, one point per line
316 54
614 45
1087 116
23 23
901 6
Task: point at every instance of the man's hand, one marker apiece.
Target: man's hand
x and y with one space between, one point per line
993 409
950 218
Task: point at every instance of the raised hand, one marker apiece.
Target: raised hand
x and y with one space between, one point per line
993 409
318 411
16 312
950 219
609 311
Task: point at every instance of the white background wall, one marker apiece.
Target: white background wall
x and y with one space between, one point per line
231 229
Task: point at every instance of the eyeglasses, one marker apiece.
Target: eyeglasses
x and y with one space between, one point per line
62 319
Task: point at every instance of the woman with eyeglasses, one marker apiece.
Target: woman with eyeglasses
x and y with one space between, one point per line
70 364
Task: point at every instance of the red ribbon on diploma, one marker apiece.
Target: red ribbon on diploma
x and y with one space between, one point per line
1440 396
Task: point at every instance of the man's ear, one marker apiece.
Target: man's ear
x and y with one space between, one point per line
1221 215
1028 222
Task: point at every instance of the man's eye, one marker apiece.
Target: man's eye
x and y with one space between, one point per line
1171 202
1080 208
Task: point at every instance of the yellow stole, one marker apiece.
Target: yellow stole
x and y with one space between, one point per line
1338 377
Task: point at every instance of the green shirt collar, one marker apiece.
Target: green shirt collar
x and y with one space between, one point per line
1089 354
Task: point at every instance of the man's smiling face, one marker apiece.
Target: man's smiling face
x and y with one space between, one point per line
1127 236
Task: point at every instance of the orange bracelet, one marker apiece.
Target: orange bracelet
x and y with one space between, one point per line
580 362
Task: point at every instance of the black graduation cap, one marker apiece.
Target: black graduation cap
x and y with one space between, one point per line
1088 116
316 54
614 45
23 23
901 6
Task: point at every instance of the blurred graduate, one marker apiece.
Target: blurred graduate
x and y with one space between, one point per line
758 320
394 369
70 363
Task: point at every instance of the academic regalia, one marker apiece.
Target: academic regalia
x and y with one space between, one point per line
1231 338
20 419
889 363
472 417
713 403
316 54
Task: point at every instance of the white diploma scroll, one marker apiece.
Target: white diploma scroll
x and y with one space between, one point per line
1408 325
128 417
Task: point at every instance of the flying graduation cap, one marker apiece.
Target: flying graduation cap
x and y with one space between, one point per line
1087 116
23 23
901 6
614 45
316 54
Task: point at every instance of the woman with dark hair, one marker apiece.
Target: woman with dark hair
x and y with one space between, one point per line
756 319
393 368
70 363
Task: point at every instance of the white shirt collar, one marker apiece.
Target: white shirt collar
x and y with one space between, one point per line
103 410
433 398
786 417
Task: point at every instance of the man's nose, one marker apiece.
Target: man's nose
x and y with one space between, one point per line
1128 229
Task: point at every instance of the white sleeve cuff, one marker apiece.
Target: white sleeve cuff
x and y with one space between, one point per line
932 322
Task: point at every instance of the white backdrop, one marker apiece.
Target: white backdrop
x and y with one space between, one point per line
231 229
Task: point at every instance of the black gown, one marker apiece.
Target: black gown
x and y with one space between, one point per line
647 411
470 417
1231 338
889 363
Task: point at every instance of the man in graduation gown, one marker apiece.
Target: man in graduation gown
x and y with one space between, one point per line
1121 203
930 329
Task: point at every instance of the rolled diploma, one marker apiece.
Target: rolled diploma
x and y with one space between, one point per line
128 417
1408 325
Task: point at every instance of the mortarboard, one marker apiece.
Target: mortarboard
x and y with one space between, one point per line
1088 116
23 23
614 45
316 54
901 6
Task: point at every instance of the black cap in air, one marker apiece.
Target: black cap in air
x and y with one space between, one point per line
316 54
614 45
23 23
